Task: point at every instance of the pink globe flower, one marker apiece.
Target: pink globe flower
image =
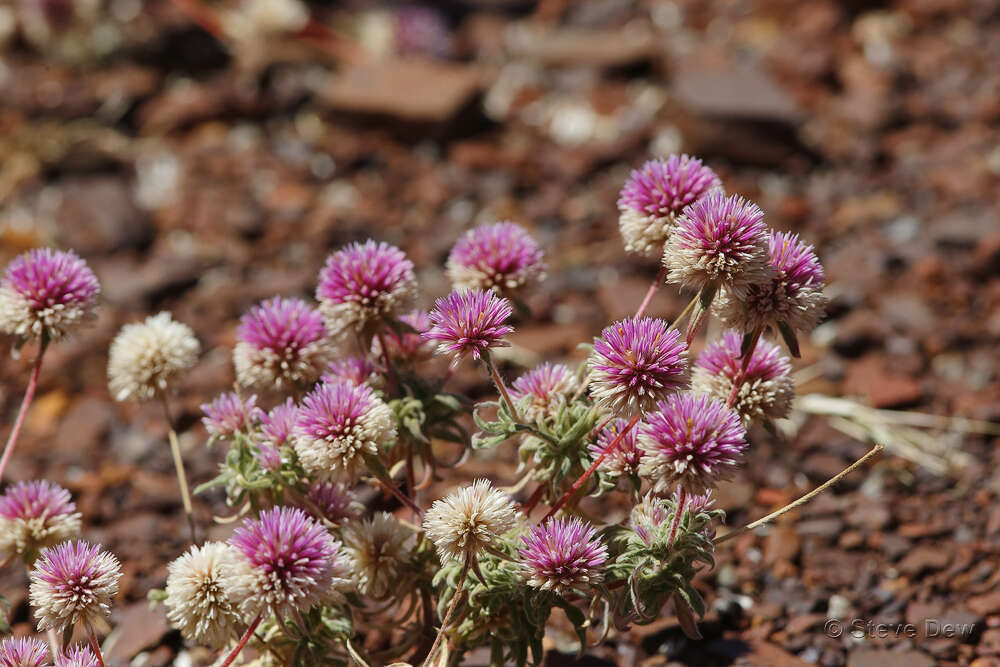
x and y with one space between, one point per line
655 195
626 457
543 389
77 656
356 370
636 363
228 414
287 563
791 298
562 555
719 241
363 283
36 515
333 502
339 424
73 582
501 256
766 389
23 652
691 442
469 322
281 343
46 292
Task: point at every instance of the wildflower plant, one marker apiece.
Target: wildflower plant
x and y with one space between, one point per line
336 473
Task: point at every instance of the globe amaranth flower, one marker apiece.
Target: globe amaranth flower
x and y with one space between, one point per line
766 387
792 297
146 357
470 520
624 460
406 346
690 442
197 602
635 363
378 548
23 652
501 256
286 562
655 195
281 343
719 241
334 502
356 370
73 582
277 428
36 515
228 414
541 391
340 423
77 656
562 555
48 292
469 322
362 283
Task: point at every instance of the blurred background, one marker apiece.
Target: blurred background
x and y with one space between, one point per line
205 155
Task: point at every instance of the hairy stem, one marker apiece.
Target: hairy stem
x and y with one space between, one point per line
533 500
428 661
682 497
29 394
501 387
610 449
243 641
803 500
175 452
657 281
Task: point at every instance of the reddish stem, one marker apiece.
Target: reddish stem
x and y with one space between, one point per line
610 449
678 512
243 641
501 387
95 645
29 394
660 277
533 500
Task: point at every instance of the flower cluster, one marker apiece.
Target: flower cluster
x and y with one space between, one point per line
359 418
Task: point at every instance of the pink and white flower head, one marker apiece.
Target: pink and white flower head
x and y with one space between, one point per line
334 502
36 515
281 343
469 521
766 390
791 297
501 257
469 322
339 424
197 602
562 555
690 442
23 652
147 357
362 283
356 370
77 656
278 425
408 347
286 562
655 195
624 461
73 582
541 391
378 548
636 363
46 292
650 519
719 241
228 414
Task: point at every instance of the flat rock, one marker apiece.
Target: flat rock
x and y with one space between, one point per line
985 605
97 215
883 388
612 47
136 627
924 558
386 87
867 657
